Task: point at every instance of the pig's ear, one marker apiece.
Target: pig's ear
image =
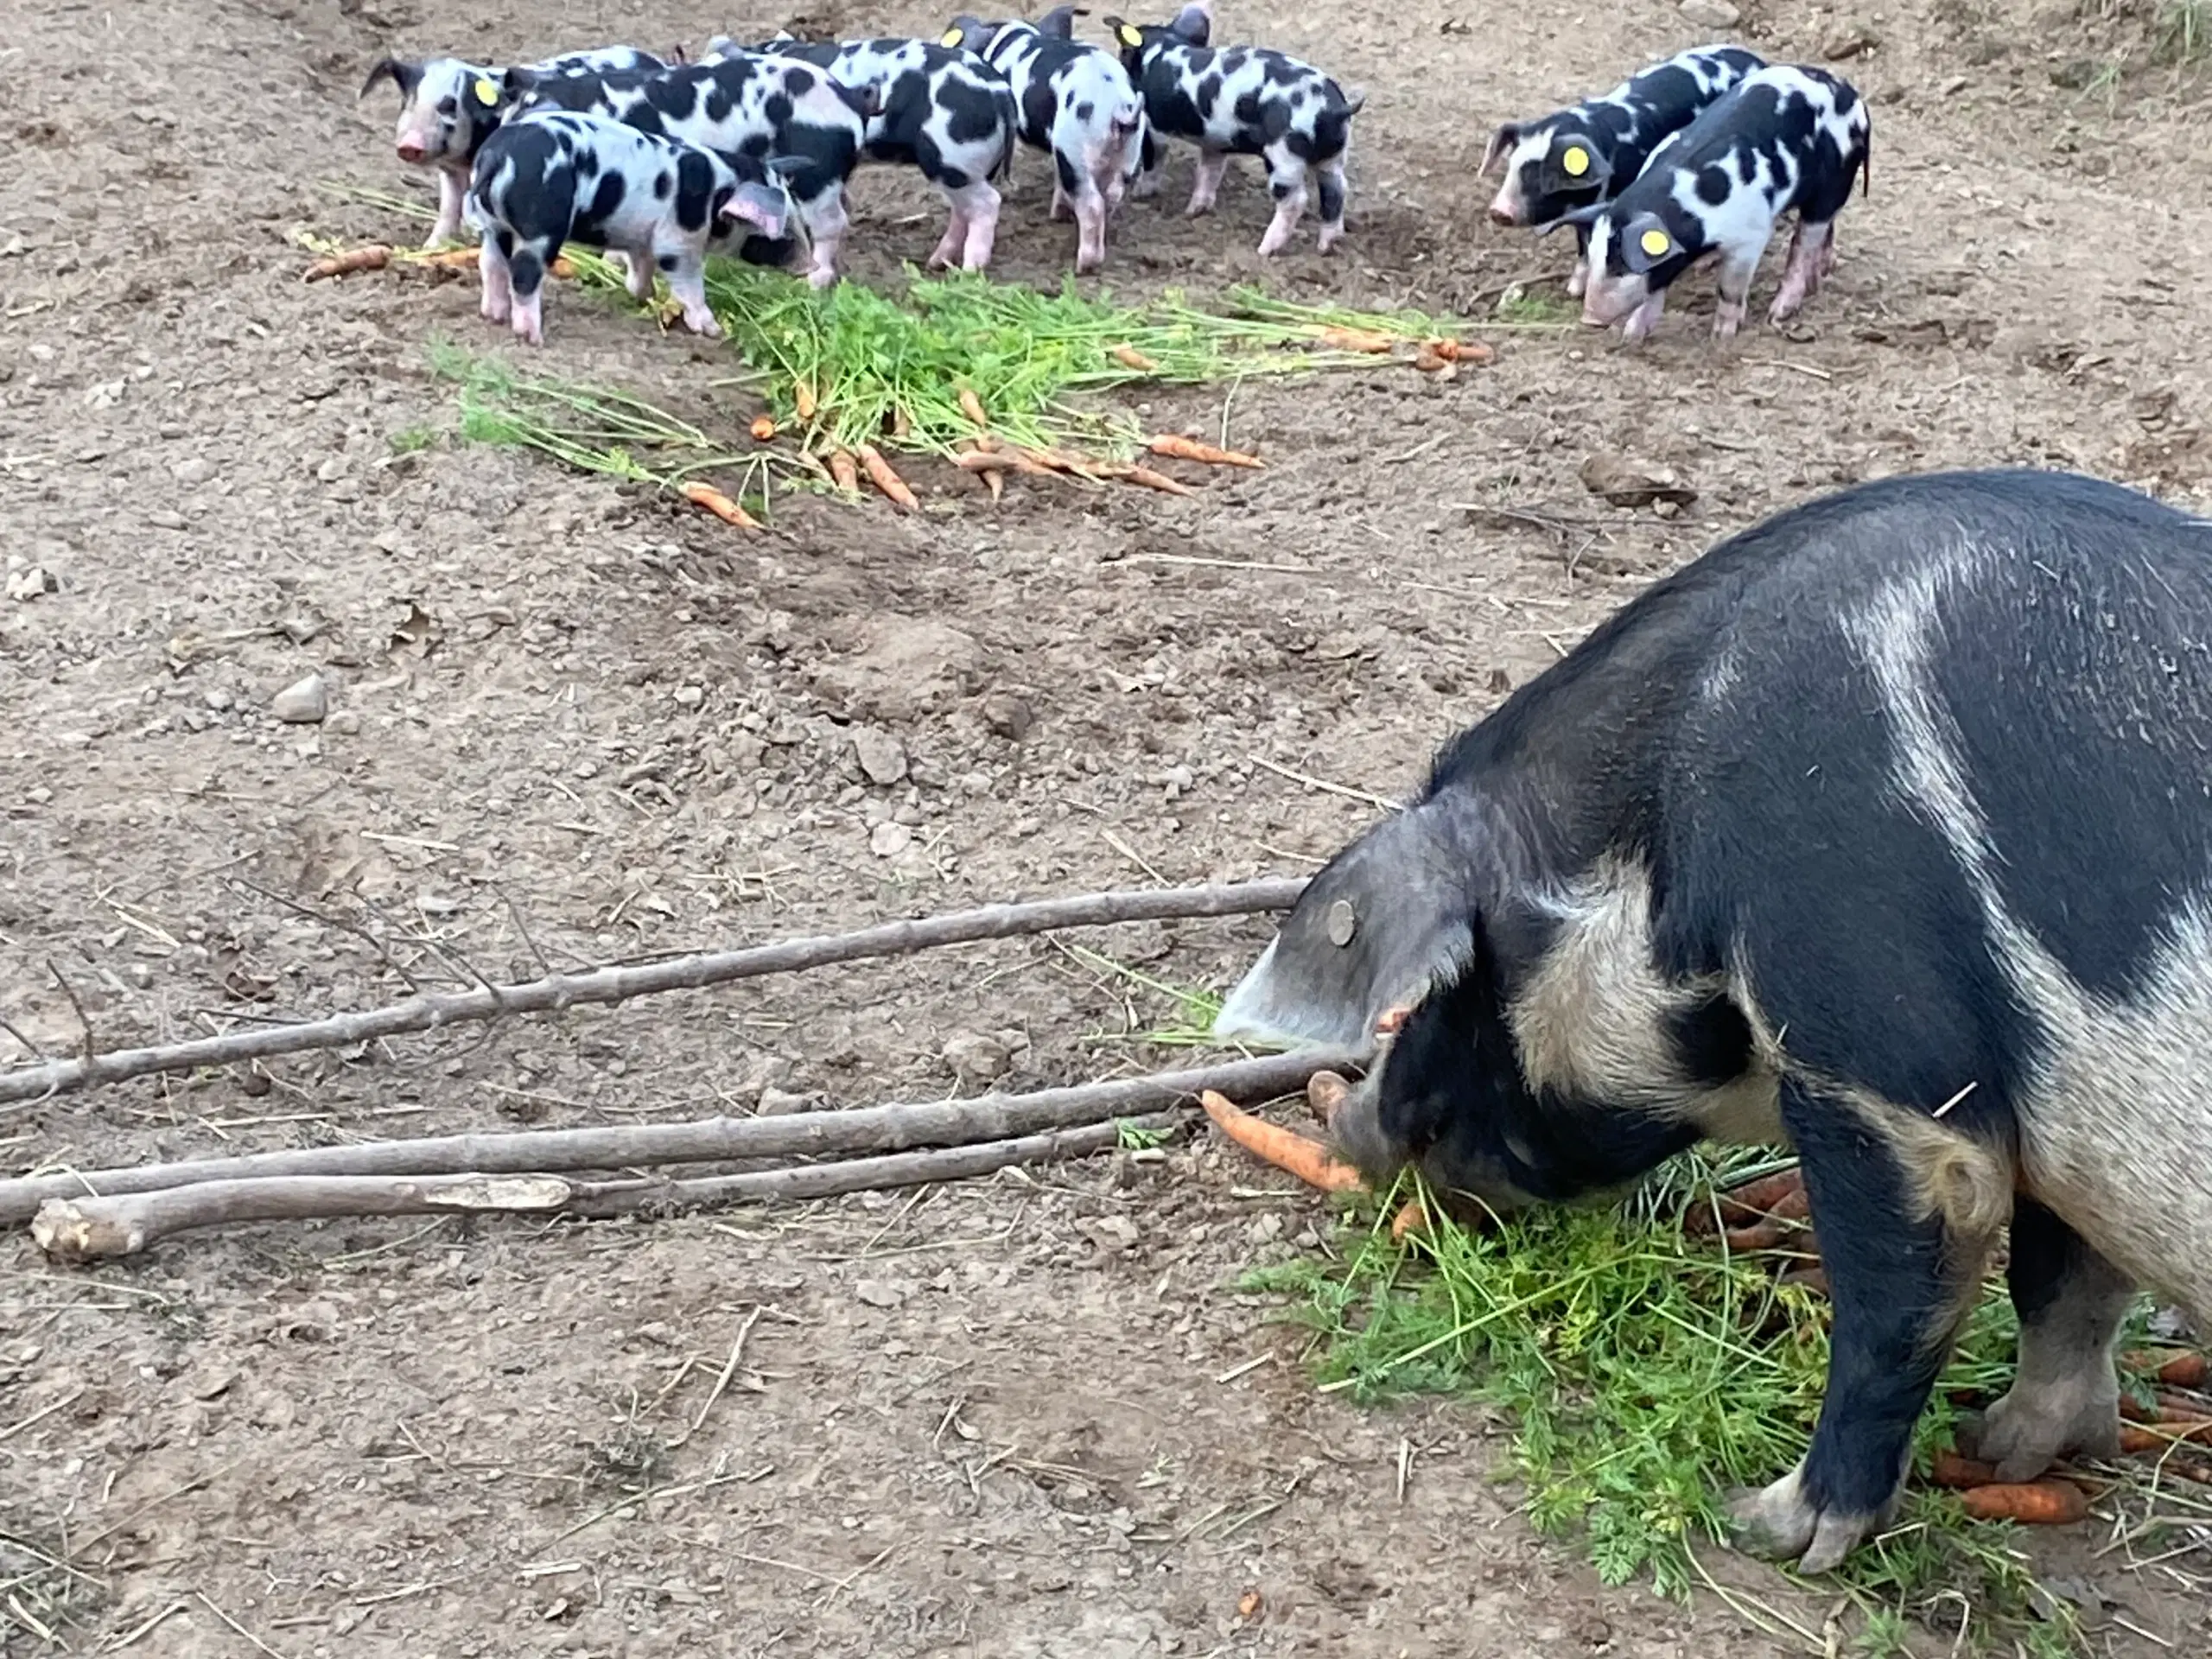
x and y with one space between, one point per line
1387 917
783 167
1501 146
514 87
763 206
1193 25
1645 241
1059 23
718 46
401 74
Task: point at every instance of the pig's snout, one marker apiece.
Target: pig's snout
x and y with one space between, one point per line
410 150
1503 216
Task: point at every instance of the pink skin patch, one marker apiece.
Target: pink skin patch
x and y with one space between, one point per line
982 228
492 273
1287 210
1505 207
1606 300
528 319
1090 232
1812 256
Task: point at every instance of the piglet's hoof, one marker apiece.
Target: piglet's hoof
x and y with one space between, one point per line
1325 1092
1780 1523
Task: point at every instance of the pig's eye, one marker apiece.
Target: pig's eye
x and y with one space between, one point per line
448 106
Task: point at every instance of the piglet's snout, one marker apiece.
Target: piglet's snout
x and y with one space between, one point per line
1503 216
409 150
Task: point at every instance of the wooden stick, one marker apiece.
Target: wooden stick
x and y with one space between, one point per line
868 1129
81 1230
559 991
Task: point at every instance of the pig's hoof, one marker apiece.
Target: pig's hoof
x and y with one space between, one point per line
819 279
2031 1428
1780 1523
1331 235
704 324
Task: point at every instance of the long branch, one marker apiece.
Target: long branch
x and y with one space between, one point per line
866 1129
554 992
79 1229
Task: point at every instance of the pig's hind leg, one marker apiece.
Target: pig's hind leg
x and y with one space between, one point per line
1907 1210
1330 175
2065 1395
492 275
1738 266
1212 164
1810 260
527 266
1287 184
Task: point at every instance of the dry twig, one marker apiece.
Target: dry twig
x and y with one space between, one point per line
556 992
868 1129
86 1229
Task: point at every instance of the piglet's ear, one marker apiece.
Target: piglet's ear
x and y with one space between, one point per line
401 74
1059 23
1387 917
1193 24
761 205
1501 145
1645 241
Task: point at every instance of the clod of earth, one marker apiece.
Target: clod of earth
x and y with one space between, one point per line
1625 483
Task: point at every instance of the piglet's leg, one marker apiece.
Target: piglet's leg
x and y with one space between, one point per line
637 273
1738 266
1207 184
1067 186
1644 318
1907 1211
1801 275
491 274
1090 228
947 252
2065 1396
1578 278
1287 184
685 265
826 224
1331 176
527 263
452 186
1147 182
980 208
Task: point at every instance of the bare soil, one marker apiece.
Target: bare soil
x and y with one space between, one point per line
990 1419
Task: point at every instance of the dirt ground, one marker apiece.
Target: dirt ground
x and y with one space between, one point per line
996 1418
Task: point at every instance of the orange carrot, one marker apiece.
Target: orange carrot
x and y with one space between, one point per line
562 265
1325 1092
1182 448
763 427
1356 339
880 474
375 257
1428 362
1459 351
453 258
1129 357
987 462
2176 1406
1949 1469
1411 1218
843 469
706 495
802 399
2035 1503
2180 1371
2158 1436
995 483
1153 480
1740 1205
1307 1159
972 407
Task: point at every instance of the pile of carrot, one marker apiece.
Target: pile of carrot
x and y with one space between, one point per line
700 494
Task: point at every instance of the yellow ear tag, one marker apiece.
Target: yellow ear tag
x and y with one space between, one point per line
1654 242
486 93
1130 36
952 37
1576 160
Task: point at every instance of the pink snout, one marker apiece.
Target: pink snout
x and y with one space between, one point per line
1502 216
409 150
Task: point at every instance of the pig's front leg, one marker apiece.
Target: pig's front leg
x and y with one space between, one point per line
1578 278
826 224
1902 1273
1738 266
452 187
1287 184
1211 165
980 210
1331 176
685 265
1090 228
1644 318
1062 208
637 273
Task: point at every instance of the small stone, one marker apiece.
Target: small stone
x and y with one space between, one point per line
1626 483
304 703
889 839
1710 14
1113 1233
975 1058
1009 715
1267 1229
1845 43
192 472
779 1102
689 696
344 723
32 581
879 1292
883 756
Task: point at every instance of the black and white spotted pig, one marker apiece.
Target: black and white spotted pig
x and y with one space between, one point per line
558 176
1784 137
939 109
448 107
1883 829
1241 100
743 103
1077 104
1588 152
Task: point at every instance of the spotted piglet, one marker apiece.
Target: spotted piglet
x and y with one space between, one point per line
1589 152
939 109
1077 104
1786 138
450 107
1242 101
561 176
